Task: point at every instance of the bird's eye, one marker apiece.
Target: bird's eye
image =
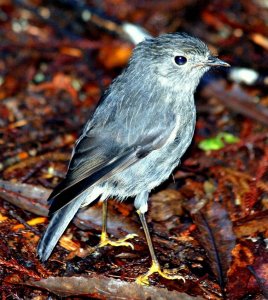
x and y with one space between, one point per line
180 60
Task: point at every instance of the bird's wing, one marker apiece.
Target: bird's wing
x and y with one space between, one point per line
95 166
88 156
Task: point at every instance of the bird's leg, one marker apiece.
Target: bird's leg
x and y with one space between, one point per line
155 267
105 240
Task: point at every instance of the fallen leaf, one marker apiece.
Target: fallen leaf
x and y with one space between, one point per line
109 288
216 236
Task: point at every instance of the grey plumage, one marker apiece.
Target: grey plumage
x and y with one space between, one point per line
138 133
56 227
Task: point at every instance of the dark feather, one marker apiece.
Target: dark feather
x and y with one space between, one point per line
70 193
88 157
56 228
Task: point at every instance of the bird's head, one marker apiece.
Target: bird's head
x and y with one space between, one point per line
175 59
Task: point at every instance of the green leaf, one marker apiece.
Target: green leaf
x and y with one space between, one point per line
229 138
218 142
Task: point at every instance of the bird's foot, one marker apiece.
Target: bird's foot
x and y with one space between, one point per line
155 268
105 240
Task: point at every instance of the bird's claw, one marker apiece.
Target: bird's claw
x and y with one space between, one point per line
155 268
105 241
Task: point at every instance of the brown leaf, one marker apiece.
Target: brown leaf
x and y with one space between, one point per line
165 204
252 224
237 100
250 262
216 236
115 56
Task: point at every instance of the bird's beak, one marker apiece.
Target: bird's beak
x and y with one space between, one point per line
216 62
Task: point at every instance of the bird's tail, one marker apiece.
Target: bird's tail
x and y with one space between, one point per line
57 225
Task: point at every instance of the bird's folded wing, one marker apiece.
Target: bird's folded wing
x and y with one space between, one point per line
90 166
88 157
99 176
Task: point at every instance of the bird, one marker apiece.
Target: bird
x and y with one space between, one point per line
141 128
